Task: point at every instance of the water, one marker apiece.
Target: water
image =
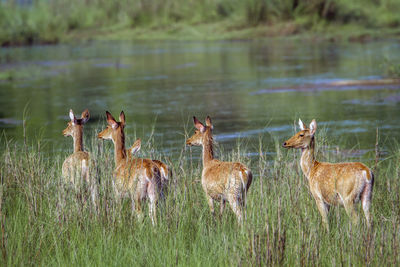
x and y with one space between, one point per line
251 89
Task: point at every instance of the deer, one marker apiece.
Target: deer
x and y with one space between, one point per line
165 171
330 184
138 178
76 167
221 181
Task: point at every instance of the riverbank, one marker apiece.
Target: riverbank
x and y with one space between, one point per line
227 31
58 21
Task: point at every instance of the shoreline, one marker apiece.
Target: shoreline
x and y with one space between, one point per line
224 32
220 31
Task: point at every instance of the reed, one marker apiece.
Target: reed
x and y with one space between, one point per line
43 222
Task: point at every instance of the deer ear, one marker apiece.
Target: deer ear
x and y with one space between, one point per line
209 123
72 117
302 125
85 116
313 127
136 146
111 121
199 126
122 118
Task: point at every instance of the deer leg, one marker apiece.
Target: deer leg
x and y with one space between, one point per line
136 205
222 206
93 194
152 212
323 210
152 193
235 205
118 197
133 204
117 193
210 203
349 207
91 182
366 202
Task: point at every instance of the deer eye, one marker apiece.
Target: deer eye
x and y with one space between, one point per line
301 135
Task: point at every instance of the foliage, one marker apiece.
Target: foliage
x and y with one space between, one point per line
391 68
44 222
43 21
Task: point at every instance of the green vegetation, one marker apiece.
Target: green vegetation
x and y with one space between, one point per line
43 21
43 222
391 69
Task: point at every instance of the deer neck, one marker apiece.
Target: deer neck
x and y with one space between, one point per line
119 149
208 152
78 140
307 160
129 154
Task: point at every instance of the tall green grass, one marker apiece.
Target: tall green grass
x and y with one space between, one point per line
43 21
44 222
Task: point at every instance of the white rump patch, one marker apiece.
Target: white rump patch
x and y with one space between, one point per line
164 173
366 176
241 178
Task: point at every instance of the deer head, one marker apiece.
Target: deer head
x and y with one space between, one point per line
114 129
74 126
303 138
202 133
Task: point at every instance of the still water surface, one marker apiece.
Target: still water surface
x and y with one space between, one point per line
249 88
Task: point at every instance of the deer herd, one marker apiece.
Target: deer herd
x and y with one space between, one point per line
142 178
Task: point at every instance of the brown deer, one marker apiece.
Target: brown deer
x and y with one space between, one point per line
221 181
136 177
333 183
165 171
76 167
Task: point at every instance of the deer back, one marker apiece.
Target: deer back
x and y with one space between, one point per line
76 166
336 182
136 171
222 178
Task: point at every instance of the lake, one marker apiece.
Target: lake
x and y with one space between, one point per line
251 90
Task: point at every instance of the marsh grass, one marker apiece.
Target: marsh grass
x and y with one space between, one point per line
44 222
